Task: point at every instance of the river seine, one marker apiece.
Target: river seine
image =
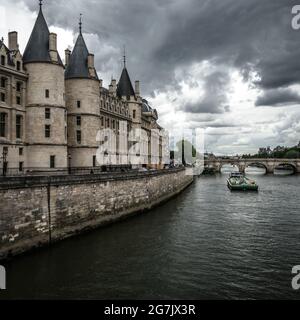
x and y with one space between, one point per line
207 243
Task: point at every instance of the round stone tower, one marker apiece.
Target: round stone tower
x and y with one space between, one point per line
45 110
83 104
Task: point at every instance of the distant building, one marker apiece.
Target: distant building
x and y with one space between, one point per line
279 149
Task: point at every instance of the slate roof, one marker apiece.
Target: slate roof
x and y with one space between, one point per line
145 106
78 63
37 49
124 87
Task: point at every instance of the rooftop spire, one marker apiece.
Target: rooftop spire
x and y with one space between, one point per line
41 4
80 23
124 57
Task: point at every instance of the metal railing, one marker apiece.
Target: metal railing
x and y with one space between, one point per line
43 180
15 172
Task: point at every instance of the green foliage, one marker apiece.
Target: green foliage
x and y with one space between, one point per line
287 153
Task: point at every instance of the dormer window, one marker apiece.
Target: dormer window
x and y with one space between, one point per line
2 60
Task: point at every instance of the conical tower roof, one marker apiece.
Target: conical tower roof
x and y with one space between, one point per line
37 49
78 63
124 85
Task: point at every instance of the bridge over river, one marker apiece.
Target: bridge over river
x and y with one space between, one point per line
269 164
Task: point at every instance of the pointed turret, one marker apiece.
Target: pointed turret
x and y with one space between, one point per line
125 88
38 48
83 101
80 64
45 135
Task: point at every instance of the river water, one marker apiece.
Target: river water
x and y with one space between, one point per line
207 243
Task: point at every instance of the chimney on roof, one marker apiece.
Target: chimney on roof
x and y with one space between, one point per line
137 87
67 56
91 64
114 86
13 40
53 46
111 89
91 61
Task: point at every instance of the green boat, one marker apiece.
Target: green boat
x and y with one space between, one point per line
238 182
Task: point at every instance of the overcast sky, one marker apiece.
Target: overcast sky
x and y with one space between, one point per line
229 66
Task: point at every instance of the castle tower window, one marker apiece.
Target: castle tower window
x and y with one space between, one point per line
47 113
19 86
19 124
47 131
21 165
113 124
78 136
102 121
18 100
47 93
2 97
52 162
3 124
94 161
3 82
18 65
134 114
3 60
20 151
78 104
78 121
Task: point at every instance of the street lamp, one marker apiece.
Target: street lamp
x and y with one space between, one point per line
69 163
4 157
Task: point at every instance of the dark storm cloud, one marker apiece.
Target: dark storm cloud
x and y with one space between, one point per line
278 97
161 36
215 95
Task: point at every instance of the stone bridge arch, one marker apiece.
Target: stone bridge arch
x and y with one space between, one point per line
258 164
292 165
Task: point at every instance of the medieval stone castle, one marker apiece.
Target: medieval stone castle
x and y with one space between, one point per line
50 112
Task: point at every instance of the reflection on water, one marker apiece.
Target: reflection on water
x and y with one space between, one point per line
283 172
255 170
228 168
207 243
252 170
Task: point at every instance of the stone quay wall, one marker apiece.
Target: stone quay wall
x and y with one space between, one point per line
37 211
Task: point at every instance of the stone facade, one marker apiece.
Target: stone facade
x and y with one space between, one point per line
50 112
36 211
